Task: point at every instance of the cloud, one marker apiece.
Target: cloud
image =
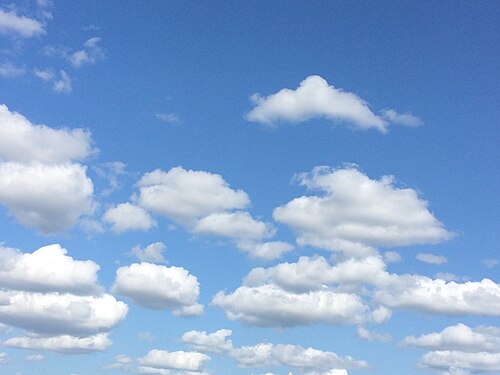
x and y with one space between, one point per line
46 75
24 27
365 334
9 70
431 258
48 269
180 360
64 84
25 142
208 342
270 355
34 357
457 360
236 225
159 287
490 263
186 195
61 195
265 250
315 98
151 253
269 305
355 213
89 55
62 344
171 118
126 216
459 337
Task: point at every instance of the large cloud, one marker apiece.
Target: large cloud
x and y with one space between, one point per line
24 142
47 269
22 26
356 214
56 300
185 195
159 287
62 193
314 98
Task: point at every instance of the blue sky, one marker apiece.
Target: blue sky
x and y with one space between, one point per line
249 187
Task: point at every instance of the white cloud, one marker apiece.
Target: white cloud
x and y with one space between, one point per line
61 195
59 313
431 258
159 287
44 74
208 342
330 372
365 334
3 357
89 55
34 357
61 344
9 70
48 269
64 84
25 142
459 337
151 253
356 214
236 225
401 118
185 195
168 117
24 27
180 360
268 355
315 98
451 360
126 216
265 250
269 305
392 256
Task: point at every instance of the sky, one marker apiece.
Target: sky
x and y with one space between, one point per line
251 188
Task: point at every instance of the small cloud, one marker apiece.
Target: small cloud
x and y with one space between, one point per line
392 257
44 74
406 119
34 357
151 253
9 70
146 336
89 55
22 26
63 84
91 28
490 263
171 118
365 334
431 258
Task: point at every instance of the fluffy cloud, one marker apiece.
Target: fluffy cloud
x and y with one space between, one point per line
47 269
461 361
61 344
365 334
159 287
185 195
459 337
315 98
61 195
151 253
431 258
24 142
356 214
209 342
265 250
270 355
24 27
269 305
126 216
180 360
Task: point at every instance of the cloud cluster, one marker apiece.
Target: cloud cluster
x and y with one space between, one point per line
315 98
159 287
30 152
460 349
203 203
354 214
56 300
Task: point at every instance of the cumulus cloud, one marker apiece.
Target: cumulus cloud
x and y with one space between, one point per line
365 334
265 250
61 195
355 213
126 216
13 24
186 195
431 258
151 253
24 142
159 287
62 344
179 360
48 269
209 342
269 305
315 98
451 361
